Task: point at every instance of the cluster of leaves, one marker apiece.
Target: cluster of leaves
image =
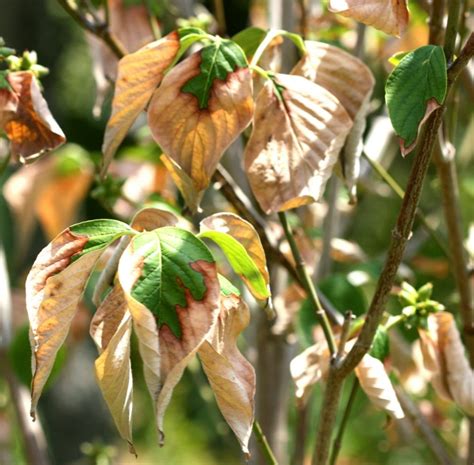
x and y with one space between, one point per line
167 283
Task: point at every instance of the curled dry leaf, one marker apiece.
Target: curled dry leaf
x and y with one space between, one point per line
390 16
139 74
445 358
111 328
255 275
54 288
299 130
32 130
287 305
352 82
376 384
170 282
201 107
231 376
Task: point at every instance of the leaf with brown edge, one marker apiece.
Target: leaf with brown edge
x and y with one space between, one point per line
445 358
170 282
299 130
8 105
246 235
231 376
111 328
390 16
201 107
150 218
54 287
32 130
352 82
376 384
139 74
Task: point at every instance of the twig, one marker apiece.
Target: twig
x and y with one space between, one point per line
419 422
308 283
303 18
400 237
346 327
262 440
155 28
336 445
452 28
220 16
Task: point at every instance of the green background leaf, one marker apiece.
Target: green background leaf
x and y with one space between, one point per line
249 39
419 77
381 346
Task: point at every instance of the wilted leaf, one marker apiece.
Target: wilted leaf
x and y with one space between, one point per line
111 329
54 288
352 82
390 16
150 218
444 357
171 286
414 89
32 130
299 129
8 105
240 243
202 105
139 74
377 385
231 376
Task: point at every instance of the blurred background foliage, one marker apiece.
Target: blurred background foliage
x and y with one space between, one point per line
78 427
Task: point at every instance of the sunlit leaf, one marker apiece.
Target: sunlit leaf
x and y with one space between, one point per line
240 243
171 286
352 82
139 74
249 39
231 376
390 16
111 329
414 89
54 288
202 105
32 130
299 129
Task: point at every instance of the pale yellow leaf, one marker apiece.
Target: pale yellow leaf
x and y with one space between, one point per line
139 74
376 384
231 376
390 16
294 143
111 329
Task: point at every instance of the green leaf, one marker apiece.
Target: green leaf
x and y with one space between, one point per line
187 37
415 87
99 233
249 39
217 60
227 288
240 261
397 57
381 345
167 255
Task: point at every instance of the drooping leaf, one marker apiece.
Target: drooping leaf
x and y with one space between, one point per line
54 288
111 329
299 129
249 39
352 82
32 130
139 74
231 376
202 105
377 385
445 358
240 243
171 286
414 89
390 16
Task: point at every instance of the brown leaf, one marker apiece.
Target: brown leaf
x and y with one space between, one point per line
376 384
32 130
287 305
54 288
390 16
139 74
294 143
445 358
148 219
195 138
352 82
8 106
111 329
231 376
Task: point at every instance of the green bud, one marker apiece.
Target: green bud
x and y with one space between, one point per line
39 70
14 62
6 51
425 291
29 59
406 298
409 311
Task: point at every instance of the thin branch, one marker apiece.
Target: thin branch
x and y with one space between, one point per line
346 328
219 13
264 445
452 28
308 283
